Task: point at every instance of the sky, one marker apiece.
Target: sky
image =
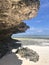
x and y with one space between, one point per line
39 25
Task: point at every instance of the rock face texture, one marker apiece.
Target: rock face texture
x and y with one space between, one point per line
13 12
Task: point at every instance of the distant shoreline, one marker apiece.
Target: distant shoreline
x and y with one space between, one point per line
31 38
31 41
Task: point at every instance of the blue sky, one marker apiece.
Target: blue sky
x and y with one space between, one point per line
40 24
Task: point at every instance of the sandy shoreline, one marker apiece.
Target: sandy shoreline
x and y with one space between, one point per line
43 52
31 41
43 55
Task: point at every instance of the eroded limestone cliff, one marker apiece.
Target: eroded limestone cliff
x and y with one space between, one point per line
13 12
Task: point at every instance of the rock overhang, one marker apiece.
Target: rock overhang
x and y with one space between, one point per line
13 12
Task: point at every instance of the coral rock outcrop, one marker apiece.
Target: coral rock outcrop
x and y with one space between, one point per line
13 12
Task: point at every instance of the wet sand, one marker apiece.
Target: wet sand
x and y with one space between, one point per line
15 59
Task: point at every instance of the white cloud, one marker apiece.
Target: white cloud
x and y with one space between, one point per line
33 30
39 31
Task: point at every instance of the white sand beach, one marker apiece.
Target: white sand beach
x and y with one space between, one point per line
43 55
43 52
